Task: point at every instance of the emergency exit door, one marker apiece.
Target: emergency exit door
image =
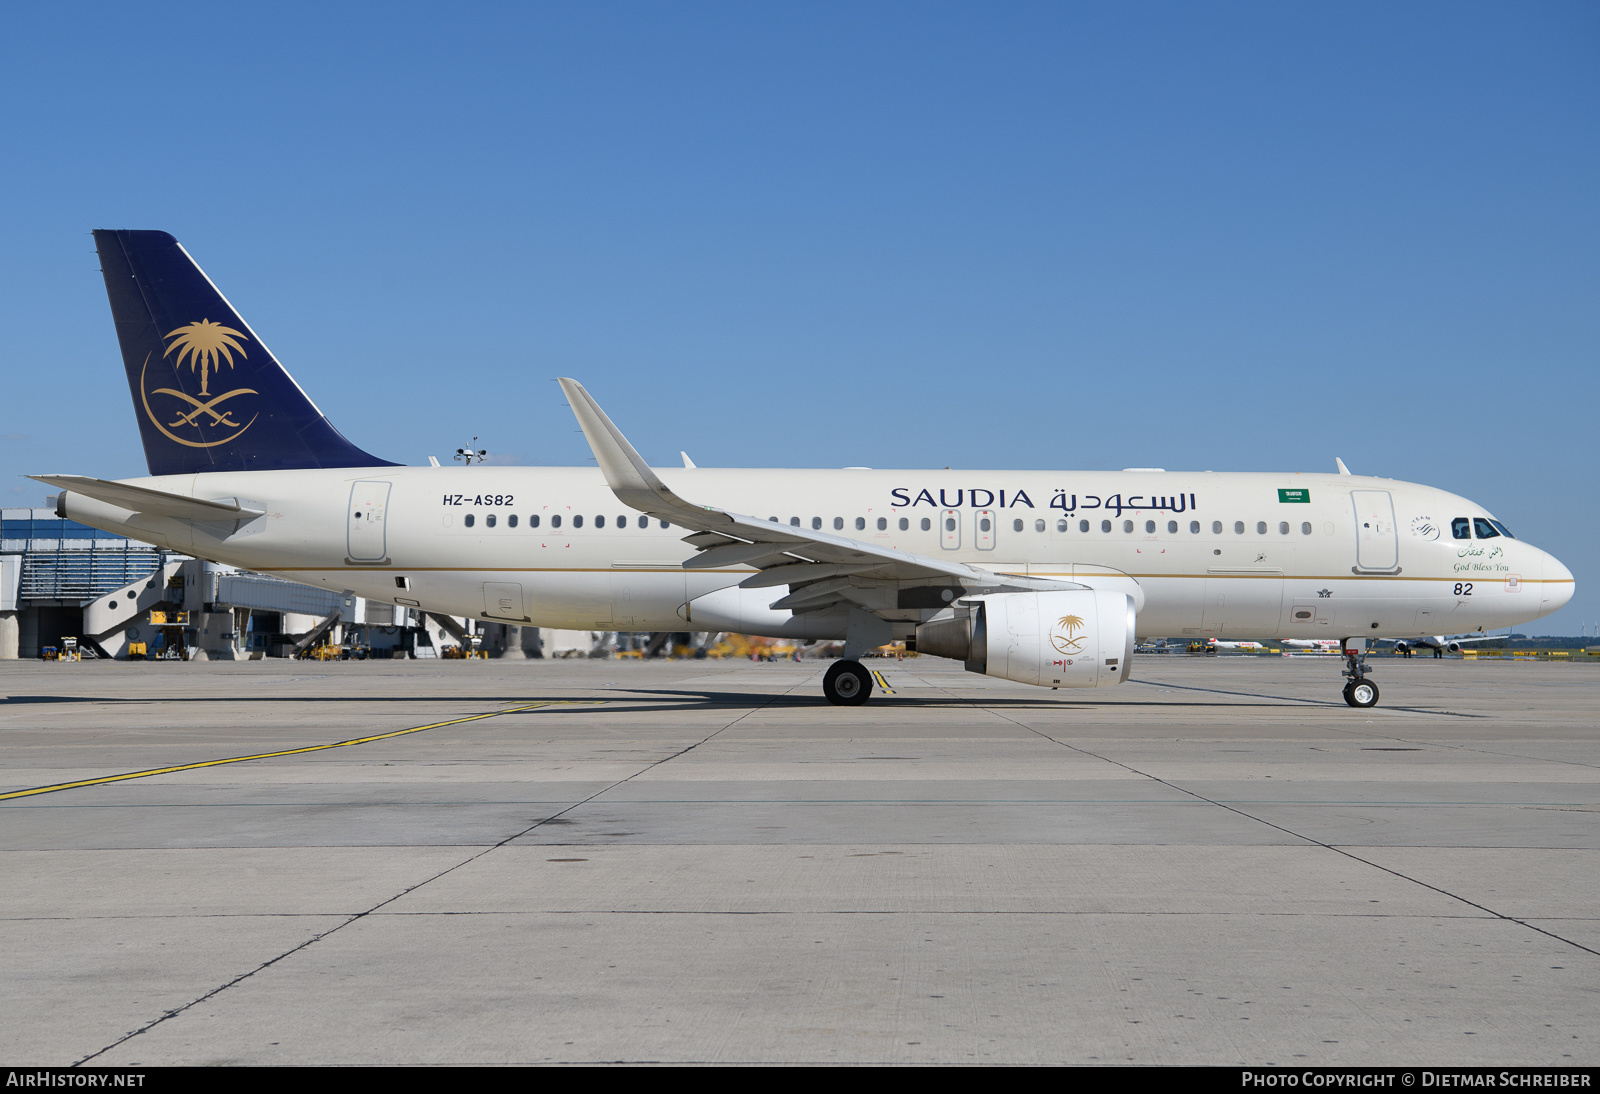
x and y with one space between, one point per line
950 529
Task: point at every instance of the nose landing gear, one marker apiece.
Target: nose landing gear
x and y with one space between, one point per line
1360 691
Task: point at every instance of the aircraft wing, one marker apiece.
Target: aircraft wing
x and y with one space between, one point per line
820 569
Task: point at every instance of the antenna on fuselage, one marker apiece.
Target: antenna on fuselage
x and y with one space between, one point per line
470 455
1343 470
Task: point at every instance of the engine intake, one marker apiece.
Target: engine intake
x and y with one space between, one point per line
1073 639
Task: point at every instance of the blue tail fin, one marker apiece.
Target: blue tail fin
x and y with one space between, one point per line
208 394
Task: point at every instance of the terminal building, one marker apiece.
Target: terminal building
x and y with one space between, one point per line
114 597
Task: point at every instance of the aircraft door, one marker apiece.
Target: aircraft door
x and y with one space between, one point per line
983 529
1377 538
366 539
950 529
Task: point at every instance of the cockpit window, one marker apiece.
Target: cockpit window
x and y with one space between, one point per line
1484 529
1461 528
1504 531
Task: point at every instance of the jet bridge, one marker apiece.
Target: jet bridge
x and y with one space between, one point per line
217 603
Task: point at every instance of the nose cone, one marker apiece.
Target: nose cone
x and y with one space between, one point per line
1557 587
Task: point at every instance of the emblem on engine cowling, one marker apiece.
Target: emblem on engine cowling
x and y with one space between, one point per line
1062 635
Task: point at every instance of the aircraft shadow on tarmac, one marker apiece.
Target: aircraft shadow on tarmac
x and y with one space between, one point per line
682 698
704 698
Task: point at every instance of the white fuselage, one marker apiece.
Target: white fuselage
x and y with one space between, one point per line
1221 554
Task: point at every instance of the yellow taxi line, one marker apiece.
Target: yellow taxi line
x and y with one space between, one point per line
286 752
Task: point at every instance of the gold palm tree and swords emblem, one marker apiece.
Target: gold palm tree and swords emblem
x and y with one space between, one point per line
1066 643
205 346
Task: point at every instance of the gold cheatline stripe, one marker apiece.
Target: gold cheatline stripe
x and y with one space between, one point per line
747 573
287 751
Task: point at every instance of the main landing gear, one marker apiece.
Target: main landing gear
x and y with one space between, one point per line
847 684
1360 691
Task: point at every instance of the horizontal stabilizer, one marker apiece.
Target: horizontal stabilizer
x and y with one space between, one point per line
142 499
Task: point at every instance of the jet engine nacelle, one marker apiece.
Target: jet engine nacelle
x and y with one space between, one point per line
1071 639
1401 645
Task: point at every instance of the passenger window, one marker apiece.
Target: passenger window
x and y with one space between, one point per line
622 521
599 522
1194 528
816 524
950 524
1127 526
1038 525
1216 527
926 524
883 524
555 521
1149 527
1016 525
1238 527
1305 529
1261 527
489 520
469 520
1484 529
1061 525
794 522
1105 526
1283 527
838 524
1461 528
861 524
1083 526
644 522
511 521
533 521
1172 527
904 524
665 525
577 521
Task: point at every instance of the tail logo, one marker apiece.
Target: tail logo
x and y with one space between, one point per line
205 347
1066 643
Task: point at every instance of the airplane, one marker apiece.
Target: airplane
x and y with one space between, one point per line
1309 643
1441 644
1222 645
1041 577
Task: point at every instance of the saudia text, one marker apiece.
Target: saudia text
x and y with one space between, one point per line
1019 499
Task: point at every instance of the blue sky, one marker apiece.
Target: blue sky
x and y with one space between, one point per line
1226 236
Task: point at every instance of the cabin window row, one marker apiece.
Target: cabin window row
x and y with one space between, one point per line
491 520
1020 525
1150 526
861 523
1062 525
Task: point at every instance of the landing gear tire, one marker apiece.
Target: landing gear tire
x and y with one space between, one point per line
847 684
1361 693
